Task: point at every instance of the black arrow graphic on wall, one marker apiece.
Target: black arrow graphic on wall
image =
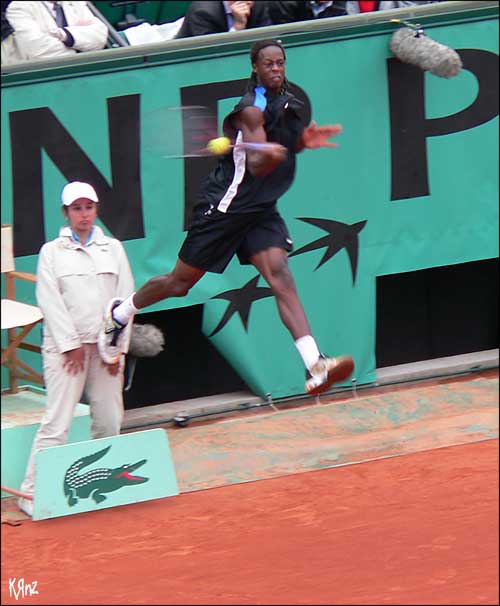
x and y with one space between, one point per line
340 235
240 301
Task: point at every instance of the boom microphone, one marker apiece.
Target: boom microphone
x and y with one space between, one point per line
146 341
411 45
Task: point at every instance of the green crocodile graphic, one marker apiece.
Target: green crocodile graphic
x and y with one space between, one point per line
98 481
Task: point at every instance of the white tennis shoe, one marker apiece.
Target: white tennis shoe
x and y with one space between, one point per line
328 371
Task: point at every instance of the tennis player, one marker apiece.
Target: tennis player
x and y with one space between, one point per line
237 214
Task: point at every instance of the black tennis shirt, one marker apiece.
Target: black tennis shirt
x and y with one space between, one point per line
230 187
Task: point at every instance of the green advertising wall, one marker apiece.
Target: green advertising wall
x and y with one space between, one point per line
413 184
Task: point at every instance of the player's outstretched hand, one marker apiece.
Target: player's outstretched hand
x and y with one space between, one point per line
315 136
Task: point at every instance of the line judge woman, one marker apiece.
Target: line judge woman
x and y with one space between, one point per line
77 274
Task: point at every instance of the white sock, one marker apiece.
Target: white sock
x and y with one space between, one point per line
308 350
123 312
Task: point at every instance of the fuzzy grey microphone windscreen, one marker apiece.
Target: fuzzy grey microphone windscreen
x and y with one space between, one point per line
418 49
146 341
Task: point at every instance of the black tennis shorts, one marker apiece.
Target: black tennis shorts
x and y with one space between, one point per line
215 238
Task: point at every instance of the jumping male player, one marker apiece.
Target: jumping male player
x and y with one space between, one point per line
236 214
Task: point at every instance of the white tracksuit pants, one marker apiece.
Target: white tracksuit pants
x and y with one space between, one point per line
104 393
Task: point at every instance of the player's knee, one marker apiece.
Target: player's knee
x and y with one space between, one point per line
170 285
280 277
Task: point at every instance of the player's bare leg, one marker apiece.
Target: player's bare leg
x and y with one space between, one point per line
175 284
118 313
272 265
322 371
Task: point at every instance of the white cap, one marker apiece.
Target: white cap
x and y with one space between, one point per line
75 190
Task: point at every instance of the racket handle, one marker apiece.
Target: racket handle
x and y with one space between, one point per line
253 146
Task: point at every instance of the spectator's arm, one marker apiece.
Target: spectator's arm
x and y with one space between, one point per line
286 11
32 41
201 23
88 32
259 17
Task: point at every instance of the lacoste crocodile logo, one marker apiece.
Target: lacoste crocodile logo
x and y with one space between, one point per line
95 482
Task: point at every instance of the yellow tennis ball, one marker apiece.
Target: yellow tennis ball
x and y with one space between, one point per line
218 146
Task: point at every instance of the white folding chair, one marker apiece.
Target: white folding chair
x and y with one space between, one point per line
18 319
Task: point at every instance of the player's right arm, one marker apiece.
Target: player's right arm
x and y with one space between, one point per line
250 121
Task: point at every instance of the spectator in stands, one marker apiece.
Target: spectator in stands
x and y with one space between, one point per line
289 11
76 275
7 28
216 16
7 38
53 29
354 8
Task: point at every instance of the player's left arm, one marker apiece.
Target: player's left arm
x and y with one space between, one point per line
314 136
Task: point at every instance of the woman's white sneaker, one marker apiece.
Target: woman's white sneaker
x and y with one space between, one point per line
26 506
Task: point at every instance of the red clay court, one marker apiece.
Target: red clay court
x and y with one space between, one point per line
415 529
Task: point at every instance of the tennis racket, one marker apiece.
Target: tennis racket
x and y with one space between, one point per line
189 131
